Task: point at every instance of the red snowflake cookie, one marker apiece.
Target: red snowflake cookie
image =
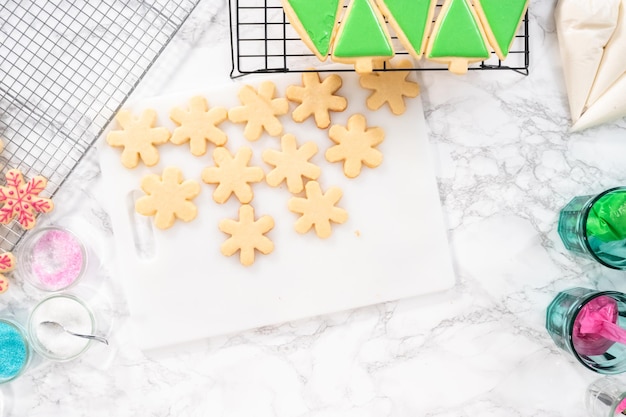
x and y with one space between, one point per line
22 199
7 264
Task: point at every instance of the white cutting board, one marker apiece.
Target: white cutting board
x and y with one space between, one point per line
392 246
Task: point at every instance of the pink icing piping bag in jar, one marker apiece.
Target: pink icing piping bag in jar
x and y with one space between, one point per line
595 330
590 325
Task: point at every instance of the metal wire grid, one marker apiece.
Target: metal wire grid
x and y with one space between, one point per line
66 66
263 41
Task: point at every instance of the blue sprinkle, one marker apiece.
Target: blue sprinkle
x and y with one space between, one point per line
13 351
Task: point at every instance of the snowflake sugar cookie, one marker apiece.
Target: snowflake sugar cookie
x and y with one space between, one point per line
292 163
198 125
247 235
317 98
259 111
22 200
318 209
390 87
232 174
7 264
355 145
168 198
138 137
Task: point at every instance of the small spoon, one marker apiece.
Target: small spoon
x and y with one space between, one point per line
59 327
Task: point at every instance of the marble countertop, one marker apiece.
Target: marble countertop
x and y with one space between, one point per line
505 165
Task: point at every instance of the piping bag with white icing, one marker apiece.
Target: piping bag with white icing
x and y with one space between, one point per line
584 28
613 63
610 106
607 100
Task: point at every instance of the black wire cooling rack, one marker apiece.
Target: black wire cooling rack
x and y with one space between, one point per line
66 66
263 41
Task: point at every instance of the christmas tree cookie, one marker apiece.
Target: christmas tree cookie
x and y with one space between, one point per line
315 22
501 19
457 39
411 20
363 39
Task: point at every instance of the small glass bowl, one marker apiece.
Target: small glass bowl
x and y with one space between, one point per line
52 259
73 314
605 397
15 351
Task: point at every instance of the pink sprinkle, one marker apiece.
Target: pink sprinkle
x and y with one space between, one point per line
57 259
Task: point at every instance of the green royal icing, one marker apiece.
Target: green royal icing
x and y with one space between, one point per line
459 34
411 16
607 218
503 17
318 18
606 229
362 34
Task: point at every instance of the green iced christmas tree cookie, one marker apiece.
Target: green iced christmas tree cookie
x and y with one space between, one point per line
457 38
315 21
363 39
501 19
411 20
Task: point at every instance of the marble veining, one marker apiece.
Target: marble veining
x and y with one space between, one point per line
505 165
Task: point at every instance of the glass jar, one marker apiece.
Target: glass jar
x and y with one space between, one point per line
594 226
606 397
591 349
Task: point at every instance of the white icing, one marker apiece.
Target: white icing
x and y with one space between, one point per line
610 106
584 28
613 63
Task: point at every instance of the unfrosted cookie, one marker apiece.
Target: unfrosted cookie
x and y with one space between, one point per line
355 145
291 164
318 209
232 174
411 20
7 264
501 20
315 22
138 137
317 98
457 38
21 199
247 235
168 198
363 38
390 87
198 125
259 111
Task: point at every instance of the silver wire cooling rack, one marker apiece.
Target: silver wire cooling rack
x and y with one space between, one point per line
66 66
